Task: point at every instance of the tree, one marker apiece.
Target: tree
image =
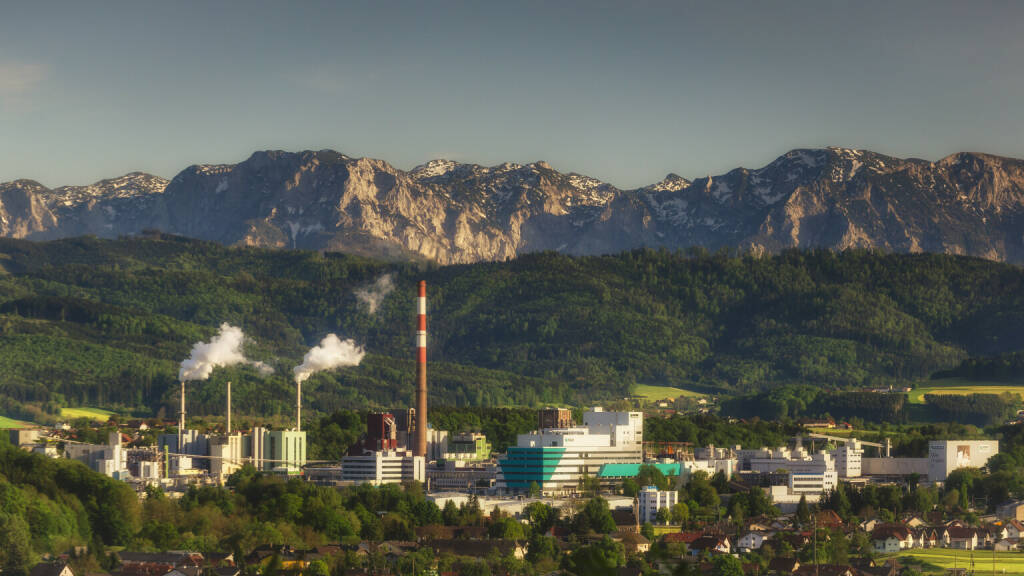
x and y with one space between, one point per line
663 516
15 545
680 513
647 531
803 512
534 490
726 565
598 559
595 517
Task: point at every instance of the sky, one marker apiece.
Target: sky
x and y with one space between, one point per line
622 91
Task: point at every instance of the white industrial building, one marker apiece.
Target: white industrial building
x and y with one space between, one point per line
383 467
944 456
557 459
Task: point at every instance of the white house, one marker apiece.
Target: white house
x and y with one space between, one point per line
752 541
889 539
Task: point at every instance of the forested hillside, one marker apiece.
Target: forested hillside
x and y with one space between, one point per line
89 321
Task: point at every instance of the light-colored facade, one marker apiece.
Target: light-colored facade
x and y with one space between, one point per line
650 500
471 446
944 456
848 459
557 459
383 467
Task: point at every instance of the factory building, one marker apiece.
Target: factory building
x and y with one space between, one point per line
383 467
557 459
469 446
944 456
277 451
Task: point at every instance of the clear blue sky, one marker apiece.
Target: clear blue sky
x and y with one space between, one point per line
624 91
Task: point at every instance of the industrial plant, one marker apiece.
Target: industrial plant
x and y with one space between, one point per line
555 461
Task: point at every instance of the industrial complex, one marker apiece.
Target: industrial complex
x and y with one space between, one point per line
554 461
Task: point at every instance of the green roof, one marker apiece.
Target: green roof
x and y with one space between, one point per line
631 470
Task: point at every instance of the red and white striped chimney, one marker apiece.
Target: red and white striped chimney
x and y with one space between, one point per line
421 372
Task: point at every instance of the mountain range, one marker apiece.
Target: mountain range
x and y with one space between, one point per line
449 212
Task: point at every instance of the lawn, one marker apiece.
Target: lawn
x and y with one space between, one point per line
939 560
6 423
92 413
661 392
961 386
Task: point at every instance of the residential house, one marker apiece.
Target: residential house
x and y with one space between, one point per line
713 544
752 541
779 565
1014 529
633 543
1012 510
51 569
625 520
960 537
478 548
827 570
1005 545
926 537
828 519
891 538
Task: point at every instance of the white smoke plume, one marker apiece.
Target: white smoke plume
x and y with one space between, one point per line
224 349
375 293
332 352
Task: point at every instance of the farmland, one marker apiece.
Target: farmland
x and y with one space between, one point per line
961 386
941 560
649 392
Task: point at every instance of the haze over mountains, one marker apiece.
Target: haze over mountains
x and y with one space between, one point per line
967 203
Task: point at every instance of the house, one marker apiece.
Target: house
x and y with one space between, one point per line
681 537
1014 529
157 563
926 538
914 522
827 570
870 524
625 520
891 538
711 544
1012 510
751 541
779 565
51 569
478 548
633 542
828 519
1005 545
959 537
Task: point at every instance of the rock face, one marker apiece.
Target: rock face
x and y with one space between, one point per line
457 213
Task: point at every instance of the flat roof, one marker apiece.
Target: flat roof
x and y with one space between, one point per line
632 470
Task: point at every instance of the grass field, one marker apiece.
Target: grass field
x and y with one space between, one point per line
93 413
961 386
661 392
6 422
939 560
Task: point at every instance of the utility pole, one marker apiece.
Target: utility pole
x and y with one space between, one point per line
814 523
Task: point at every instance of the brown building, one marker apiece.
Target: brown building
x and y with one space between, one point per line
554 418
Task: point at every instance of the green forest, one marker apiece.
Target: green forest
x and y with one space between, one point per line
106 322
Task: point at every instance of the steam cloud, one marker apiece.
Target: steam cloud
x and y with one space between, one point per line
375 293
224 349
332 352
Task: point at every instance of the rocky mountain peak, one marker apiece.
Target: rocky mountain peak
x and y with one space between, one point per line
454 212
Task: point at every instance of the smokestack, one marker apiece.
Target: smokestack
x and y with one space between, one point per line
229 409
181 420
298 405
421 372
